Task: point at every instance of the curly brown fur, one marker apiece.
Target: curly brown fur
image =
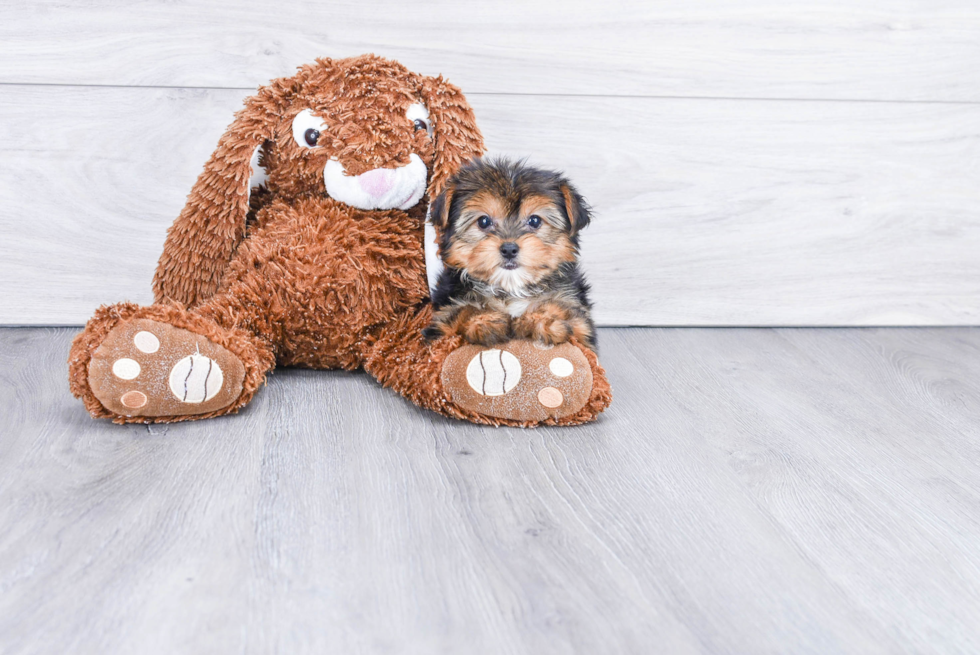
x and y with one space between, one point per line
510 245
363 101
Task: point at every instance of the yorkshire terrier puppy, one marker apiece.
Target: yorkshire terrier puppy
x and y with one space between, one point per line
509 241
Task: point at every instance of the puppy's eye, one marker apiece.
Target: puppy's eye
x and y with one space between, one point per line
484 222
307 129
534 222
419 116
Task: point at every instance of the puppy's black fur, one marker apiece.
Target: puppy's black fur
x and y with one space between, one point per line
509 240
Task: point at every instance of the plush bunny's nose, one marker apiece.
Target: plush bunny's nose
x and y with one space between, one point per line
377 182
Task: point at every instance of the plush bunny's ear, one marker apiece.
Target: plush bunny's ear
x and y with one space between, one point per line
204 237
457 138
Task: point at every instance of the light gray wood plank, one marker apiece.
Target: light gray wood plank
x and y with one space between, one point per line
708 212
748 491
844 49
836 435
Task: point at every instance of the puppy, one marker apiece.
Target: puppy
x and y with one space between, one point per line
509 240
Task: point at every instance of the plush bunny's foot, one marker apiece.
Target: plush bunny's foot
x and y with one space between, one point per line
149 368
520 380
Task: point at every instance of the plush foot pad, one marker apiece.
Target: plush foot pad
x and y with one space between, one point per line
148 368
520 380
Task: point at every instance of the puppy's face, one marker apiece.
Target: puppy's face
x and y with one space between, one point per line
509 225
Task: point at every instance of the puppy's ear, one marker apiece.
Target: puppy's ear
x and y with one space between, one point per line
202 240
457 138
579 213
439 213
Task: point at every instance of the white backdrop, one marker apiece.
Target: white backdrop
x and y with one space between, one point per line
750 162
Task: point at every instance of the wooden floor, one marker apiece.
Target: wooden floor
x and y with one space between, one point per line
749 491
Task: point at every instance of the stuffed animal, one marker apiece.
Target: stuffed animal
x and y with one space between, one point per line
301 244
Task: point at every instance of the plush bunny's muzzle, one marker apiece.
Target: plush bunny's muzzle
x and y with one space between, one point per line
380 188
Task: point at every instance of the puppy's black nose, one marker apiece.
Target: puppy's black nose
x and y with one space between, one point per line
509 249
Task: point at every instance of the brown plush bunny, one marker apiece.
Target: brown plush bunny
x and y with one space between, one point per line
321 265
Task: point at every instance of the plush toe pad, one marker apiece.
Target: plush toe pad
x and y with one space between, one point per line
148 368
519 380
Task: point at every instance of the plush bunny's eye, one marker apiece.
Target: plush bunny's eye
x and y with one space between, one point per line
419 116
307 129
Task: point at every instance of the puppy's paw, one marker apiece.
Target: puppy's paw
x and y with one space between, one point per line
486 329
551 324
544 328
432 332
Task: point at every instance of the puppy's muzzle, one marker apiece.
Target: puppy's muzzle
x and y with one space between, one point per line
381 188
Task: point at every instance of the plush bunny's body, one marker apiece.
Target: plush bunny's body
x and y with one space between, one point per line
320 264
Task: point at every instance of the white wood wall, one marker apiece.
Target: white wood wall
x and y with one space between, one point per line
751 162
